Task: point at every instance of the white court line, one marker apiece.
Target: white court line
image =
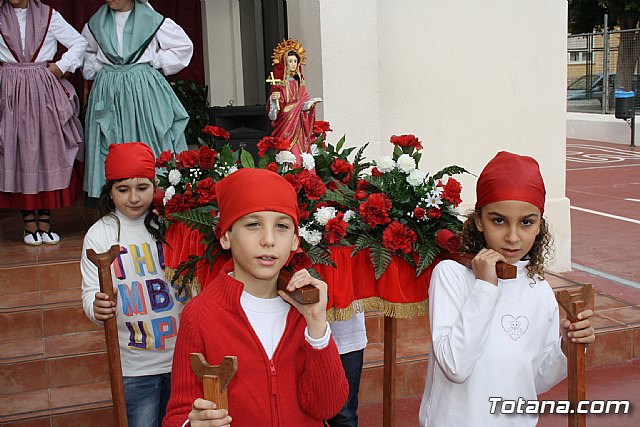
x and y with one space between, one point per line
605 275
621 218
632 200
602 167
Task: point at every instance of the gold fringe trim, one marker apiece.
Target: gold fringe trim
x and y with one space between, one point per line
193 286
389 309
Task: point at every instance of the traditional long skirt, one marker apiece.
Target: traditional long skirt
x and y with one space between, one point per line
40 138
130 103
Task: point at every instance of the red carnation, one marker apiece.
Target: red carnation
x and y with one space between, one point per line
206 191
433 213
321 127
360 195
375 211
178 203
335 229
207 157
448 240
187 159
418 213
272 166
313 186
272 142
397 237
304 212
164 158
452 192
216 131
362 185
332 185
300 260
376 172
340 166
293 181
157 201
406 141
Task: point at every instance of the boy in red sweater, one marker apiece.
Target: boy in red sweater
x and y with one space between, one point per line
289 370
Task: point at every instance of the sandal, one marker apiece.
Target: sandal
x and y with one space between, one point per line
31 238
48 237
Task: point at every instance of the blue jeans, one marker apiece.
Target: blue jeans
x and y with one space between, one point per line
147 399
348 415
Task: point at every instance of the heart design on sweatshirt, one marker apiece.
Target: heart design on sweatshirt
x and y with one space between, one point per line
515 327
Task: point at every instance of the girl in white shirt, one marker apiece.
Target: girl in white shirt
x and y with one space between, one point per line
130 100
492 337
147 306
40 134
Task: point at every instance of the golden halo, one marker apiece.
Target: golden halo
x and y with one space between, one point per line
287 46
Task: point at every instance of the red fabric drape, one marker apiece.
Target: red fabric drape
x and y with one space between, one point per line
185 13
353 280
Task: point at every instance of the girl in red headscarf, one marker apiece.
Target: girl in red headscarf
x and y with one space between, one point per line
147 307
494 338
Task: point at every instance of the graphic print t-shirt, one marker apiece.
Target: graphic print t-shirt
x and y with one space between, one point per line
148 307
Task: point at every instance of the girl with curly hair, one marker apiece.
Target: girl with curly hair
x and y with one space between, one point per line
492 337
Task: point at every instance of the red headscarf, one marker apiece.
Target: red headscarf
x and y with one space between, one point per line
130 160
251 190
510 176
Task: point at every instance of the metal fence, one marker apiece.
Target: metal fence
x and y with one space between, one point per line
602 60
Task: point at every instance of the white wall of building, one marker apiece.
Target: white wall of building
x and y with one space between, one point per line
468 78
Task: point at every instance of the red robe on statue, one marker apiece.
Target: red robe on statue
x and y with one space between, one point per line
292 122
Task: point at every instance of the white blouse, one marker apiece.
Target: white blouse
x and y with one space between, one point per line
170 50
59 31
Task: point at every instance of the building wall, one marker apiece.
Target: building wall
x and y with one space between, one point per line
459 76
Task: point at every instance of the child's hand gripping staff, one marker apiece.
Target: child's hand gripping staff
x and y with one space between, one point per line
315 313
215 379
574 305
307 294
503 269
103 262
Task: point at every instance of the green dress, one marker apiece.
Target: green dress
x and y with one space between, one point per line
129 101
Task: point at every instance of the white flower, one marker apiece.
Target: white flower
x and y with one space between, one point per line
313 237
174 177
438 190
231 170
432 200
324 214
385 164
171 191
314 150
406 163
348 215
285 157
416 177
308 162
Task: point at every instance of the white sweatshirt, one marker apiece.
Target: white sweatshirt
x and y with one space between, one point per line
489 341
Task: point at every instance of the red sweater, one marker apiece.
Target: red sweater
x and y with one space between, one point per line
300 386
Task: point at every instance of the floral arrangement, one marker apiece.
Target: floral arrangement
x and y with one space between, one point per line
387 206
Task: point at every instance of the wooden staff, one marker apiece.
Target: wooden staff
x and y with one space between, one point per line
503 270
215 379
103 262
573 304
304 295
